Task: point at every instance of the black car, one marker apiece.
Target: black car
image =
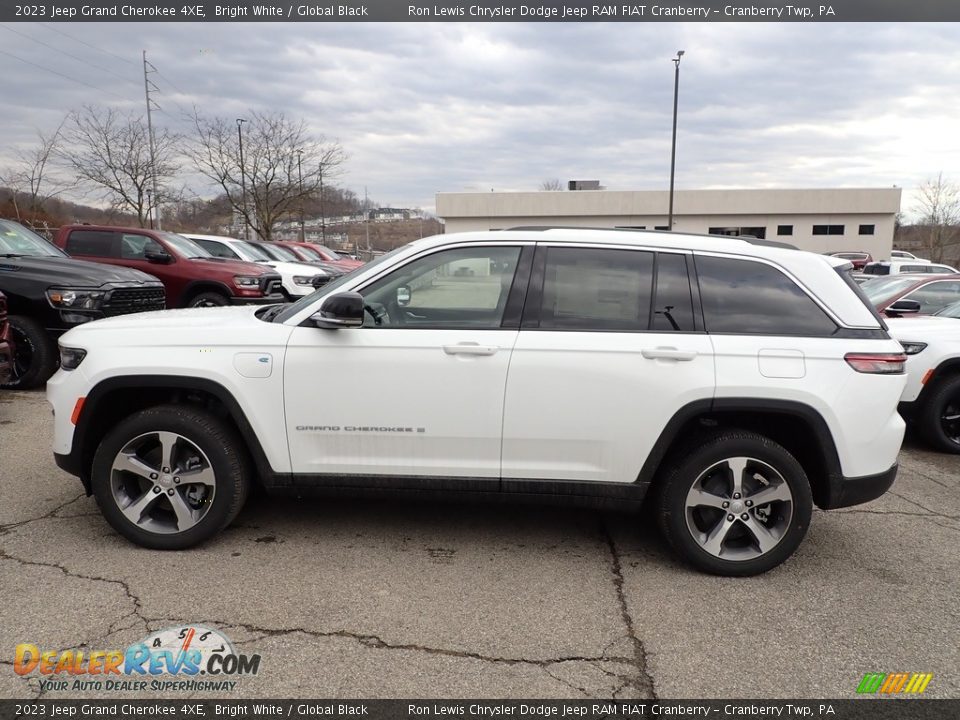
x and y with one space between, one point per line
49 292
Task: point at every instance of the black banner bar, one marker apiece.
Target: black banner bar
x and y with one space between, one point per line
478 11
873 708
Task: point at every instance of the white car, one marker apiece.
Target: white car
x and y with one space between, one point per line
904 255
297 279
895 267
931 399
734 383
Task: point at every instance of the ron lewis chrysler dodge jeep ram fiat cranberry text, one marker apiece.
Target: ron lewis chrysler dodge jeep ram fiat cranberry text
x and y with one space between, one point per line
734 384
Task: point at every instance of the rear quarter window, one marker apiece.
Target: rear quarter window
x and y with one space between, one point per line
745 297
96 243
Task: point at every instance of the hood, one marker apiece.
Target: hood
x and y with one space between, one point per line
68 272
184 319
918 327
236 267
295 268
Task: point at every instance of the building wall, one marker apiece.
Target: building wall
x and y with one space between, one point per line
694 211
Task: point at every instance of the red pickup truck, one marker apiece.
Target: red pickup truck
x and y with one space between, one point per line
191 276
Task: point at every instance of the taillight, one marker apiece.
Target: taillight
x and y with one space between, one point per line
877 363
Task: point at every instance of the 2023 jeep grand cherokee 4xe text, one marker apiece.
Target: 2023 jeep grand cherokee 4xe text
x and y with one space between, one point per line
734 384
48 293
192 276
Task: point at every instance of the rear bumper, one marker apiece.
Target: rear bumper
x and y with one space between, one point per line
846 491
268 300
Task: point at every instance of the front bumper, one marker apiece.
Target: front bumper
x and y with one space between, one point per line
846 491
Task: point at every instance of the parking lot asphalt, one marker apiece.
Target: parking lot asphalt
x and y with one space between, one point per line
371 599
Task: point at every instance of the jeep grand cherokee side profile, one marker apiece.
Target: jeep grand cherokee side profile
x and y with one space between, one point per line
734 385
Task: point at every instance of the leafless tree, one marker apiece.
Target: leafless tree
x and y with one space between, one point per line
30 176
938 208
283 165
552 184
109 152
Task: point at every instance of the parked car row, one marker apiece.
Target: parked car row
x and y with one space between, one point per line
94 271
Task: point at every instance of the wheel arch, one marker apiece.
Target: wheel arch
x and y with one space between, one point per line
195 287
796 426
947 369
115 398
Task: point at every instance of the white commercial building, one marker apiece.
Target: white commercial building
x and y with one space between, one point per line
818 220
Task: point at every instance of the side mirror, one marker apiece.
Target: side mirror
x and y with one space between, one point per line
403 296
903 307
343 310
158 256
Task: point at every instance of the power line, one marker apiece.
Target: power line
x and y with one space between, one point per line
69 55
65 77
84 42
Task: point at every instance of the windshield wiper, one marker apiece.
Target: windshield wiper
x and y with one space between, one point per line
12 255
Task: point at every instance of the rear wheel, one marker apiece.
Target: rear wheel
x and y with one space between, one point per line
34 354
170 477
939 419
736 504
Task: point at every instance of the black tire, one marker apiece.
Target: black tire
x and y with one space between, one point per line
706 462
208 299
214 439
35 354
942 403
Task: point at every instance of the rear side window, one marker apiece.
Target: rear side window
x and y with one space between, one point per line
136 247
597 289
96 243
673 305
749 298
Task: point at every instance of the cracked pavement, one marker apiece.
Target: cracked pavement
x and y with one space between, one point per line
369 599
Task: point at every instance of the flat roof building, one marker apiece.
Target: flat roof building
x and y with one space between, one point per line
820 220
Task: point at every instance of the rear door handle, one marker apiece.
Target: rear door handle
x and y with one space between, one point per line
470 349
668 353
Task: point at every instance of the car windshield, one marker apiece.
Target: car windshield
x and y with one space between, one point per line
280 253
331 253
950 311
185 246
15 239
293 308
310 253
252 252
878 291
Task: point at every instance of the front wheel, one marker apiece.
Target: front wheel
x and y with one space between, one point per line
170 477
208 299
738 504
34 354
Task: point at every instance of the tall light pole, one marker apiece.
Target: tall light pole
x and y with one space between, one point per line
323 217
673 146
243 179
303 234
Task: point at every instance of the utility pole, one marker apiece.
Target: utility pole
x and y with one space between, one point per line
303 234
366 219
147 86
673 146
243 180
323 215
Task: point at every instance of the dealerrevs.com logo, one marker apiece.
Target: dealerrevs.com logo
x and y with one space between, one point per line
187 658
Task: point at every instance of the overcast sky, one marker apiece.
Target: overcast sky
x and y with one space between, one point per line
422 108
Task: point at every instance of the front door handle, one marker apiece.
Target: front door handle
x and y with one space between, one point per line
668 353
470 349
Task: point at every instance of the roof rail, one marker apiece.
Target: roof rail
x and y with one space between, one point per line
746 238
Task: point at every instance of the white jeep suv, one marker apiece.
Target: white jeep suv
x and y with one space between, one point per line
734 384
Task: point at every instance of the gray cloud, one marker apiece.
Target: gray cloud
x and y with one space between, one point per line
423 108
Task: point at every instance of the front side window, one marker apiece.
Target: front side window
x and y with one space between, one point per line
136 247
935 296
186 247
747 298
597 289
457 288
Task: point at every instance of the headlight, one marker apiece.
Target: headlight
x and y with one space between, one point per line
246 281
70 358
67 298
912 348
303 280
